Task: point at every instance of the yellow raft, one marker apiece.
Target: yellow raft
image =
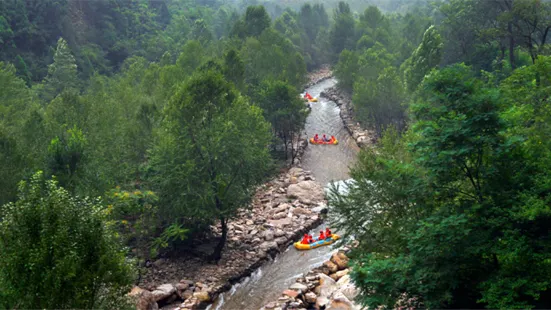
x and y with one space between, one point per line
335 141
317 244
313 100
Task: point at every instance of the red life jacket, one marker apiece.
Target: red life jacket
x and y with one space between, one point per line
322 236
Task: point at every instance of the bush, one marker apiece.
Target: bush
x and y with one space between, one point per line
56 251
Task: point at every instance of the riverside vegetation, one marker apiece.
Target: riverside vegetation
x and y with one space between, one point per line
128 129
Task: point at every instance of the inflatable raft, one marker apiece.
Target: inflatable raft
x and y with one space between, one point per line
317 244
321 142
313 100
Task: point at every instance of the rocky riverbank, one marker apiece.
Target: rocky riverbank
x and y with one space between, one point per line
325 287
362 136
320 75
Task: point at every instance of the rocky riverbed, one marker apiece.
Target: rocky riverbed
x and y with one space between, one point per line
326 287
343 100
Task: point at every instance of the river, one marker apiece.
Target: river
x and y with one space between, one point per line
327 163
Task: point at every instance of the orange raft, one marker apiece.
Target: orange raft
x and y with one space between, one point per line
332 141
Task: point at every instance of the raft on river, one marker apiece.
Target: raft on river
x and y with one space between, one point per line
323 142
317 244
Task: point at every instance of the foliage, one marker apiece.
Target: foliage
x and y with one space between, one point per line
135 217
426 57
62 73
57 252
453 212
65 156
218 142
286 112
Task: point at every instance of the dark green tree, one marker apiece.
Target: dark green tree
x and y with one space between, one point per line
218 141
57 251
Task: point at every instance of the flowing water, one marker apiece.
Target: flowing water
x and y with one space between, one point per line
327 163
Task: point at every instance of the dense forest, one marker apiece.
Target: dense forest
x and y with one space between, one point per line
127 128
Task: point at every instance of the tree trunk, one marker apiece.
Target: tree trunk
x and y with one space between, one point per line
220 246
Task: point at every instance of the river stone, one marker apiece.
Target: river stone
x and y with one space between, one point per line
340 302
295 171
268 245
340 260
280 215
339 274
279 233
187 294
163 291
280 223
143 299
301 211
202 296
253 232
320 208
311 297
299 287
282 207
310 190
321 302
249 223
270 305
332 266
327 285
268 235
291 293
280 240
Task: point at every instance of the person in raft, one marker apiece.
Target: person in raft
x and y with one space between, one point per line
332 139
322 236
327 233
304 239
316 138
310 239
325 139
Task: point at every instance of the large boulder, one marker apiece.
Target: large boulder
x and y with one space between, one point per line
143 299
340 260
163 291
340 302
332 266
327 286
306 190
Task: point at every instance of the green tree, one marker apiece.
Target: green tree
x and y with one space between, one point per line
234 69
218 142
62 73
426 57
285 111
346 69
57 251
379 102
342 31
65 156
